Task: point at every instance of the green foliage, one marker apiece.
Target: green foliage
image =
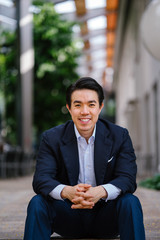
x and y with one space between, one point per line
8 80
153 183
55 64
55 69
110 107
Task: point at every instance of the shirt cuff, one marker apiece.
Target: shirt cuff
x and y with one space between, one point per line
113 191
56 192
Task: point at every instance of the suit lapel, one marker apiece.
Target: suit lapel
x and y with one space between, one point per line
102 151
69 152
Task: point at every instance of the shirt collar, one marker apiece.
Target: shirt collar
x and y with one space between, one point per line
78 136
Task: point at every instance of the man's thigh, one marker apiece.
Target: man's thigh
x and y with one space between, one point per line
101 221
104 219
67 222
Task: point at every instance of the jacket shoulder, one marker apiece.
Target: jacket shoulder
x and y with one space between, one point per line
112 128
58 131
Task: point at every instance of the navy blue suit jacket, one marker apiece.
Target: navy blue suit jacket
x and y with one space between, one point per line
58 163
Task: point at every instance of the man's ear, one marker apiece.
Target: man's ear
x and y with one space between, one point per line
102 105
67 106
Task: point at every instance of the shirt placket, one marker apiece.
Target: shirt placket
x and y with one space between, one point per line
87 169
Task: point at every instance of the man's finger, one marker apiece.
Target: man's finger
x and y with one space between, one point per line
79 206
84 185
84 195
83 202
77 200
82 206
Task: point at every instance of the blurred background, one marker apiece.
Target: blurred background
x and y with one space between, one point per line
47 45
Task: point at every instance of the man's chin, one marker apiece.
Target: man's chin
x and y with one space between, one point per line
85 129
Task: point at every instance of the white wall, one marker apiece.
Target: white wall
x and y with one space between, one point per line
137 91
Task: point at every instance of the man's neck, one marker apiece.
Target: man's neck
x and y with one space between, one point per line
85 134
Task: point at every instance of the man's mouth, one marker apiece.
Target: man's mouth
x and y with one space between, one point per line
85 120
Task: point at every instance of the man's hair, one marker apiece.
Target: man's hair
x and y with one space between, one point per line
84 83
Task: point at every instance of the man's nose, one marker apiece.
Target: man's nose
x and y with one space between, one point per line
84 110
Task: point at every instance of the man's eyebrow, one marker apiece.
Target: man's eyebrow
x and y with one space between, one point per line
76 101
91 101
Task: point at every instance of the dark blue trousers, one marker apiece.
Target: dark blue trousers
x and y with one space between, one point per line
122 216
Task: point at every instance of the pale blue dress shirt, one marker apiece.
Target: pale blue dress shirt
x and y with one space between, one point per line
86 168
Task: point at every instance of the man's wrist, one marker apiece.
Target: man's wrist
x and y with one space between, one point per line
112 191
64 192
104 193
56 192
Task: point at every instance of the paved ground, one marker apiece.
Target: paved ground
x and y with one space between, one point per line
16 193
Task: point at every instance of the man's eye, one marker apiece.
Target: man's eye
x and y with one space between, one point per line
92 105
77 105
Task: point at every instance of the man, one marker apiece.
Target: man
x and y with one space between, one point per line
85 175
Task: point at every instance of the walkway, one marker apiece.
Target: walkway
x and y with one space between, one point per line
15 195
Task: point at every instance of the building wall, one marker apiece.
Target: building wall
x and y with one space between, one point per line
137 89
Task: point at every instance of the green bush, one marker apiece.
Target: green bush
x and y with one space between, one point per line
153 183
8 82
55 69
55 66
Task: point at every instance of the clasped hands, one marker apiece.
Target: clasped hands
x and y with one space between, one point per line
83 196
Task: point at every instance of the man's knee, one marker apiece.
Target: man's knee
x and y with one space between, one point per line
36 204
128 202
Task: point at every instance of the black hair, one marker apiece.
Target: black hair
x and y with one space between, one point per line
85 83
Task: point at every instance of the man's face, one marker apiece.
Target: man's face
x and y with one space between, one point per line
85 110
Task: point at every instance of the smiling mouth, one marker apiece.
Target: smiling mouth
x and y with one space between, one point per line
84 120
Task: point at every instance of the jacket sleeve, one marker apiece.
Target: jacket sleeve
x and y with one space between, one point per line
44 180
125 168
